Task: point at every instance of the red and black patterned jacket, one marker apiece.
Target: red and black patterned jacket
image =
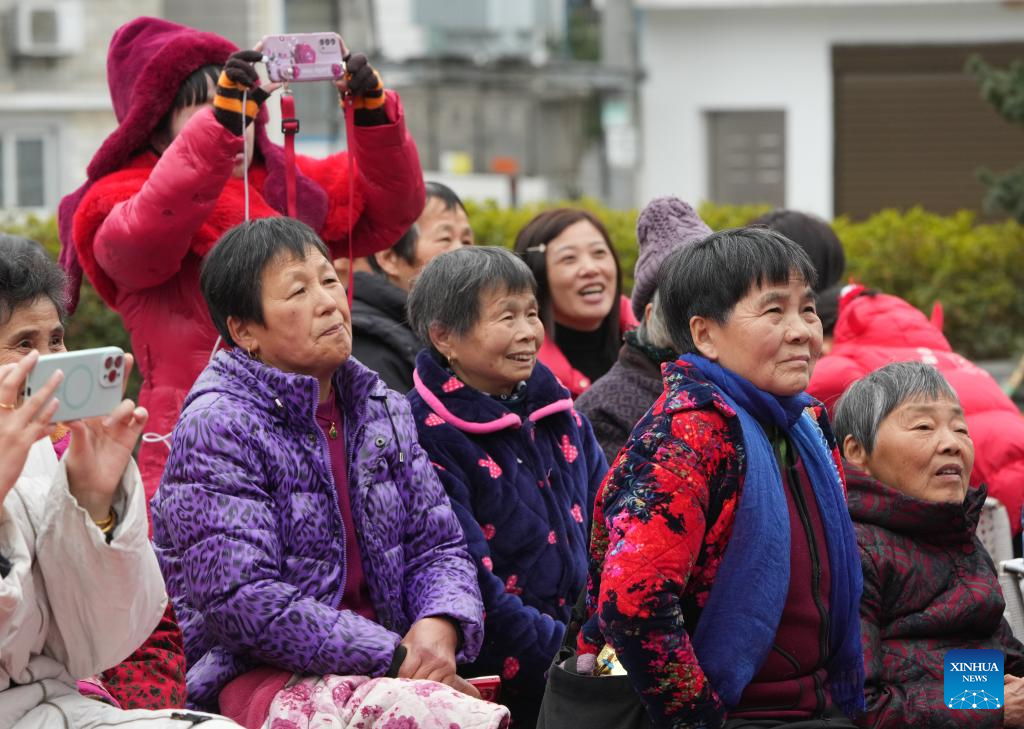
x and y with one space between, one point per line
929 587
662 522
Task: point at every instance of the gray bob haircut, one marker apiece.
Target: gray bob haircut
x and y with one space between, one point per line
870 400
447 292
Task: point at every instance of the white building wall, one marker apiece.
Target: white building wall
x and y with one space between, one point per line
699 60
398 35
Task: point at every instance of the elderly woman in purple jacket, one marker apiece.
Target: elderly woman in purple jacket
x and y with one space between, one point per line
300 527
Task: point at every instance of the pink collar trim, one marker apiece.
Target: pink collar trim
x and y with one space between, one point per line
509 420
558 406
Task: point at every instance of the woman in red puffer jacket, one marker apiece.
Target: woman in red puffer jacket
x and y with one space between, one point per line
168 182
875 329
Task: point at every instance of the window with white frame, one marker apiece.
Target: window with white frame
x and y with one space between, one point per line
28 171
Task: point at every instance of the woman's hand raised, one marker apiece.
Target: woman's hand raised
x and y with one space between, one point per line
99 452
22 425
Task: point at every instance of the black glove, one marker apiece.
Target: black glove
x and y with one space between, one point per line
367 90
239 75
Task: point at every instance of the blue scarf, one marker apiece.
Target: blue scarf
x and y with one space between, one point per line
738 624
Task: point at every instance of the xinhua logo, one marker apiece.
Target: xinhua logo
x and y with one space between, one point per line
973 679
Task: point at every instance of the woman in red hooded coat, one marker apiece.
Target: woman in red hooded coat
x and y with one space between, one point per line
875 329
168 182
162 189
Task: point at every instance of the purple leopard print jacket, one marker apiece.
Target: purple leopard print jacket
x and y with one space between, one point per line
250 539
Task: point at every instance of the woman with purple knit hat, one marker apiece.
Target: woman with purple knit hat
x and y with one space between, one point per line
616 401
169 181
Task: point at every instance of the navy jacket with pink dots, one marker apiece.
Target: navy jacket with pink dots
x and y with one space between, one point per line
523 488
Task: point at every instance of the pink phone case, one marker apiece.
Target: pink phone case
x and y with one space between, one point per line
303 57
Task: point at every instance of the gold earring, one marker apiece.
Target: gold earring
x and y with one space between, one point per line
252 354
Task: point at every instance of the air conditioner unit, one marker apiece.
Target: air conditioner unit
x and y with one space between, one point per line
46 28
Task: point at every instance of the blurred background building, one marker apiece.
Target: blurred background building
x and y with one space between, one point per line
834 106
494 90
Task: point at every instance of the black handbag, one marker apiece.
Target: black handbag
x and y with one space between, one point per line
582 701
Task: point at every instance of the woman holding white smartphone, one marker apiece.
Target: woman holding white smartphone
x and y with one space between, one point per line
80 588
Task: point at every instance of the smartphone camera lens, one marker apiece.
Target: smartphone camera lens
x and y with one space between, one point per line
108 363
112 376
118 361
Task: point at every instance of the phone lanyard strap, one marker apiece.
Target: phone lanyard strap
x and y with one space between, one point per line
350 126
289 127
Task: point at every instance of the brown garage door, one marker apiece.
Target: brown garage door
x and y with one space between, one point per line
911 128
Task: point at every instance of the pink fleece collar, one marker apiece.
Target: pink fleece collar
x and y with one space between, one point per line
558 406
509 420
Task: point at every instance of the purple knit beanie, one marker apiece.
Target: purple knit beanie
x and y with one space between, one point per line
664 225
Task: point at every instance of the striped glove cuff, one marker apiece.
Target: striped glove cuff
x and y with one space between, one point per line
373 97
227 104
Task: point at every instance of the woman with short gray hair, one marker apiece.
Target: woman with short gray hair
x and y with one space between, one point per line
929 585
519 464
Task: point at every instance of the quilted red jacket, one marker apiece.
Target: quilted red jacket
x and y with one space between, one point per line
875 329
141 234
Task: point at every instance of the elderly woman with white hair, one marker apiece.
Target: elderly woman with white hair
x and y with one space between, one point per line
929 584
616 401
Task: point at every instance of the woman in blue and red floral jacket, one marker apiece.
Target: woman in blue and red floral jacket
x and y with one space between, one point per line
725 571
519 464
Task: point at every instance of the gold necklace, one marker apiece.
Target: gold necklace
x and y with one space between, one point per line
332 432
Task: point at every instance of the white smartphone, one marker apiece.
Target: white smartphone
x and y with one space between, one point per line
93 381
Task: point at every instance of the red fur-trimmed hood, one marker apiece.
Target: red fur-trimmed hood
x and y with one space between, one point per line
148 60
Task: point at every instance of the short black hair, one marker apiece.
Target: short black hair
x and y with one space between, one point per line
231 276
405 249
447 293
193 90
27 273
445 194
828 308
816 237
708 277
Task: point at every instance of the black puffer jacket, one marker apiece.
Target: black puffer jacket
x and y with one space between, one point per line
381 338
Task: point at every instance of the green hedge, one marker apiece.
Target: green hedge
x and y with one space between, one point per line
976 270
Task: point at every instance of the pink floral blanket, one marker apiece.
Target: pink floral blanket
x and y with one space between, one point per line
358 702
